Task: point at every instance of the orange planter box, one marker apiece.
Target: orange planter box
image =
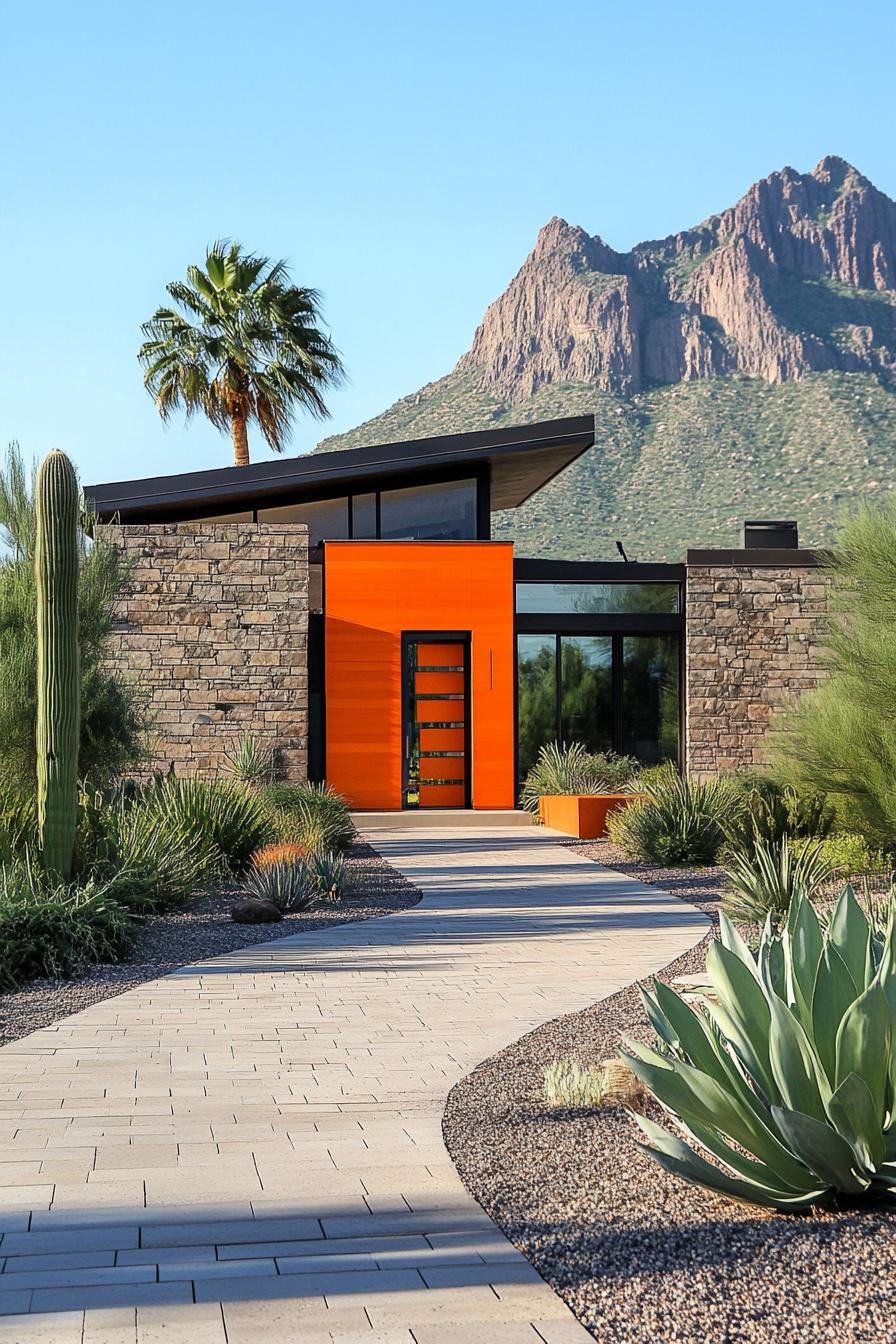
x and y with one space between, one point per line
582 814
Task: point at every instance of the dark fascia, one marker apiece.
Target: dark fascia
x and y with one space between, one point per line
760 558
595 571
314 475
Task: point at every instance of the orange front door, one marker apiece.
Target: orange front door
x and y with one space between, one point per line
436 721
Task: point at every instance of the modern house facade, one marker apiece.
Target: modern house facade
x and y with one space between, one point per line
351 609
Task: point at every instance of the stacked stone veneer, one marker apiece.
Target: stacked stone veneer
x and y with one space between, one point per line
214 624
752 643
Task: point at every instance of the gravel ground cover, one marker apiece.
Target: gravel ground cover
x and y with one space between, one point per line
638 1255
204 929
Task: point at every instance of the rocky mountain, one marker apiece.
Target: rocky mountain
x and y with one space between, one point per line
743 367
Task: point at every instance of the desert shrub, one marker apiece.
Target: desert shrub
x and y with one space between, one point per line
848 854
284 885
114 715
785 1077
840 738
230 819
149 864
278 853
572 1086
250 762
574 769
681 821
52 929
313 815
766 882
771 812
328 875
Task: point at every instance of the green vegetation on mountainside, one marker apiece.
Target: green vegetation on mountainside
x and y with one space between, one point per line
679 465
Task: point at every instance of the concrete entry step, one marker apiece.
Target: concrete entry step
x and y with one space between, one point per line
429 817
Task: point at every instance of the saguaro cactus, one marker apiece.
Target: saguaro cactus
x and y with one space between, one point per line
58 660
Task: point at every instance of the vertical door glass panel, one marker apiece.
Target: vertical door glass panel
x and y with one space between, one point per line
445 512
650 697
327 519
364 516
435 749
586 687
537 696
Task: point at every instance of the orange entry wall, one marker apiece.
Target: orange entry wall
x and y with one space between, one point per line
374 590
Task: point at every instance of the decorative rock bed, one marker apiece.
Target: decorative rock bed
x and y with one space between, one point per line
638 1255
203 929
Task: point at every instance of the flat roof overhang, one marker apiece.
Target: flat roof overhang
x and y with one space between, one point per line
519 459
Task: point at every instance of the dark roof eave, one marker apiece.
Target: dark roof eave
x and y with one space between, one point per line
560 441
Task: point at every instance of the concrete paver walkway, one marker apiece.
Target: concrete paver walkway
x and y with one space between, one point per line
251 1148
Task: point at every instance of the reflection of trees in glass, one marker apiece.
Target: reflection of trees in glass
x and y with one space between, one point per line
650 697
586 669
537 697
598 598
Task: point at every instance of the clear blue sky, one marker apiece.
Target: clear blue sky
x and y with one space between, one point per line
401 155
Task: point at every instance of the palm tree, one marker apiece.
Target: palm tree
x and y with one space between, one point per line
242 344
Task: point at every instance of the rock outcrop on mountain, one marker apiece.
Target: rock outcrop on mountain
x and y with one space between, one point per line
744 368
797 277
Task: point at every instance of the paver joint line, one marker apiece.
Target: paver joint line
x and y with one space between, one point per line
263 1129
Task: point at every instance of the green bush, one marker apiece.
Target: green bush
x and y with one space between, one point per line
151 864
227 819
771 812
114 713
849 855
284 885
52 929
312 815
788 1078
840 738
766 882
574 769
681 821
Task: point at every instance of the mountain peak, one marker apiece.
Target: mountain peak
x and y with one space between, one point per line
837 172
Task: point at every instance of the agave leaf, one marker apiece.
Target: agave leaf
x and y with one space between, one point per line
851 1109
821 1148
797 1071
850 933
864 1042
833 993
803 950
657 1019
732 940
745 1166
695 1097
742 1013
702 1046
678 1158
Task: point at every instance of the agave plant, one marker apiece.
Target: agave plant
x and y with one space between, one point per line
285 885
681 820
251 762
788 1077
573 769
767 881
328 875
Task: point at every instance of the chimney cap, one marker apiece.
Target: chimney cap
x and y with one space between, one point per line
770 535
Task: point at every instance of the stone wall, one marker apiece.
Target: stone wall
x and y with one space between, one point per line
215 625
752 642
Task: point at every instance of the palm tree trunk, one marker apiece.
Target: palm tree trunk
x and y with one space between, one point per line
240 441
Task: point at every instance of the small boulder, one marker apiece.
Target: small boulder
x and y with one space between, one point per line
255 912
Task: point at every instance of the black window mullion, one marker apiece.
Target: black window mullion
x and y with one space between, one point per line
558 694
617 676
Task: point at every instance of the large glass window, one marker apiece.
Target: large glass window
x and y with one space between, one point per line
537 665
327 519
601 598
444 512
650 697
614 693
586 690
364 516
